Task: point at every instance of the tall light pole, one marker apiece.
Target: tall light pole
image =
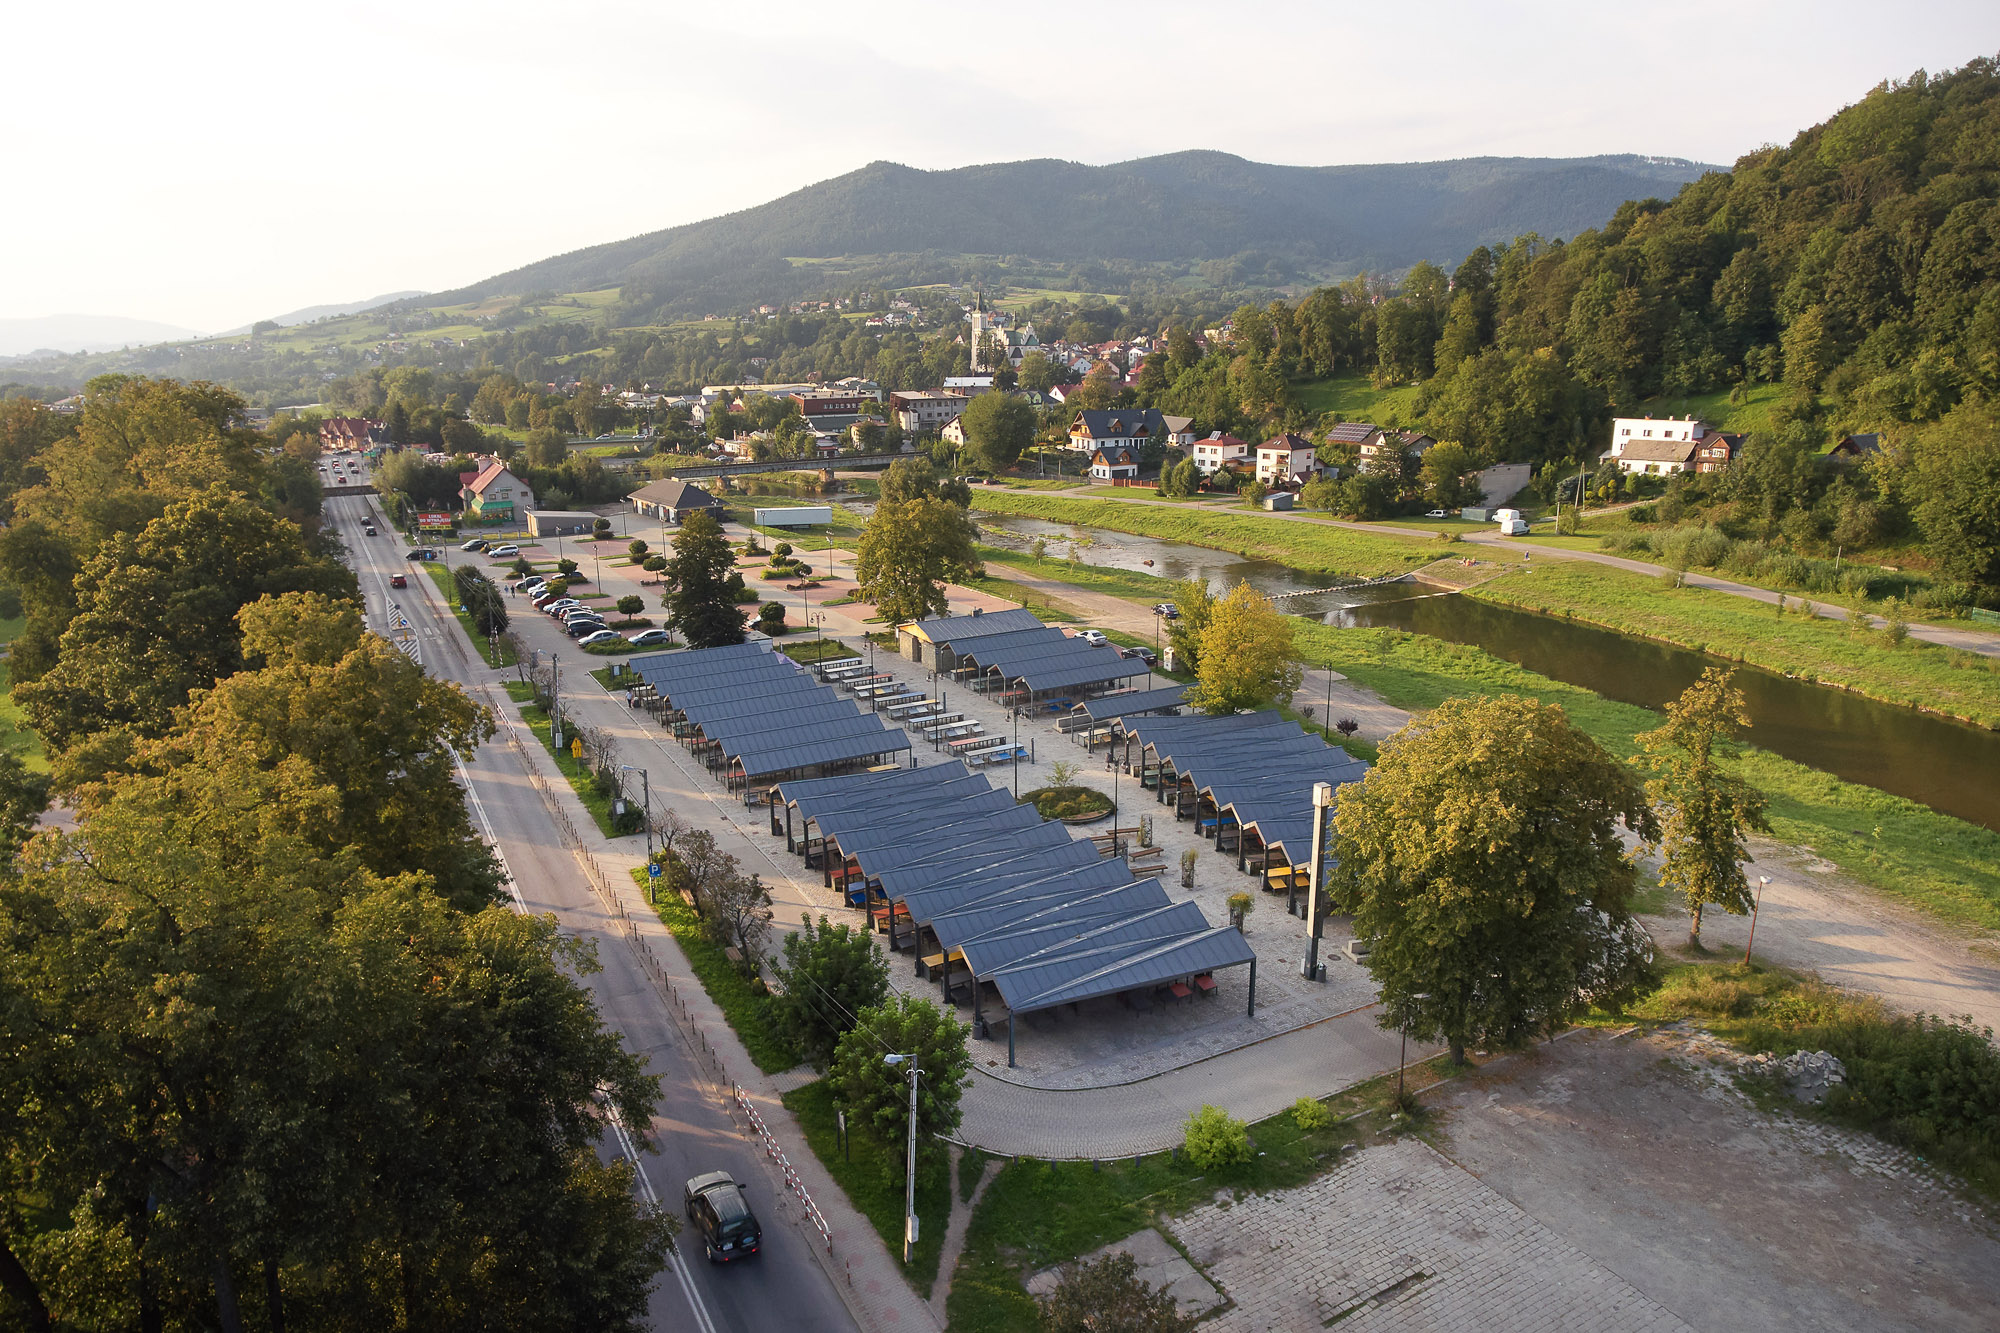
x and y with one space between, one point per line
646 802
1316 879
910 1166
1763 882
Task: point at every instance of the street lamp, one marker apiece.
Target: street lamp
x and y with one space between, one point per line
910 1167
646 802
1763 882
1316 878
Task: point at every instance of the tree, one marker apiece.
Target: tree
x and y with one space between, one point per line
736 914
1107 1295
637 549
771 618
1037 373
908 551
481 599
877 1094
1481 856
702 864
546 447
1957 483
631 604
701 603
1099 389
156 616
1705 813
1448 475
1196 604
831 973
997 426
1246 657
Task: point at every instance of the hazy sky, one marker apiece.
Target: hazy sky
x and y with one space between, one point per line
208 163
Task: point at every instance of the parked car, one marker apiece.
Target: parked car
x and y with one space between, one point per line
583 627
647 638
721 1217
555 606
597 637
476 544
1140 655
529 584
1094 637
499 552
1167 609
398 581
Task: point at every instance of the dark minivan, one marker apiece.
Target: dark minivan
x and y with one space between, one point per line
721 1217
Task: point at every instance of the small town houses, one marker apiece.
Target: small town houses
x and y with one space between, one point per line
1642 446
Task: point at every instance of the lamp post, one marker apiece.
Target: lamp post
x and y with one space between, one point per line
1326 721
1316 878
646 802
1763 882
910 1166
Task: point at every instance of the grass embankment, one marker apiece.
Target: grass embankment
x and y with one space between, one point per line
1145 589
1038 1214
15 736
1944 865
1927 1085
1354 398
448 590
1831 652
1311 546
750 1013
873 1180
578 773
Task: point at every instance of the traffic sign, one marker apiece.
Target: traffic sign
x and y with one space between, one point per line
576 748
652 870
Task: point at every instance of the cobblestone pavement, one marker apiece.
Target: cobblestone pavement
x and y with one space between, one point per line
1397 1237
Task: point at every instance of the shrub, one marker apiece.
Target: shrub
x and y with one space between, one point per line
1215 1139
1309 1114
1065 802
566 566
654 564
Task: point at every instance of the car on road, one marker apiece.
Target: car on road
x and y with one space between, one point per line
1167 609
420 553
398 581
528 584
476 544
369 528
601 636
647 638
497 552
1094 637
721 1217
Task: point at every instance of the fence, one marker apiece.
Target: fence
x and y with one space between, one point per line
706 1059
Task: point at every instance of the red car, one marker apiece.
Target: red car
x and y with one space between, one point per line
398 581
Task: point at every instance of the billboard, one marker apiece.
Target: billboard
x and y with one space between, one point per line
428 522
799 516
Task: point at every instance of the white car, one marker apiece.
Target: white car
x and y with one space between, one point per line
1437 513
602 636
499 551
533 583
1095 638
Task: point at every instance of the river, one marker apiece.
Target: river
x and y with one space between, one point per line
1949 766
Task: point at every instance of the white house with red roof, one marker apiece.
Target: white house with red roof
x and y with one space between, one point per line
494 494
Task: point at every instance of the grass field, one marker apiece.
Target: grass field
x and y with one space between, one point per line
1944 865
871 1175
1353 398
15 736
598 804
441 579
1916 674
1308 546
1144 589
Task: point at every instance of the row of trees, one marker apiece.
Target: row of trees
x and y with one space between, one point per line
265 1026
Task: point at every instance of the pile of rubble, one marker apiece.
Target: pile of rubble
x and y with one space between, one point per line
1807 1075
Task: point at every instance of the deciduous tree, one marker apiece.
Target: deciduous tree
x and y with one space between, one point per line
831 973
1482 858
1247 655
908 551
877 1094
1107 1295
998 426
1196 604
1706 813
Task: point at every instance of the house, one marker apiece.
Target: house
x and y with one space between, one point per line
494 494
1135 428
969 385
1217 451
954 432
1286 461
1647 447
1854 448
922 411
1414 443
350 433
829 403
1114 464
671 500
1180 430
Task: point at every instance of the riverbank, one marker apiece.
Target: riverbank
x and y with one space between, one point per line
1828 652
1945 866
1309 546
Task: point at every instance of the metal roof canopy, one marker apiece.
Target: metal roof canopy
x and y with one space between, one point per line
768 745
1025 867
993 845
1105 707
945 629
1021 885
1162 922
794 791
979 922
735 684
977 824
907 813
1061 676
738 705
733 732
1109 972
785 760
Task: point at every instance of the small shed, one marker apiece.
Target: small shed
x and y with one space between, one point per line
559 522
797 516
1278 500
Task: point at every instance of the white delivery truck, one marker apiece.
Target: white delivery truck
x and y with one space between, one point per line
1511 523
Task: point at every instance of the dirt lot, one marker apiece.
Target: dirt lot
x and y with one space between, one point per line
1641 1152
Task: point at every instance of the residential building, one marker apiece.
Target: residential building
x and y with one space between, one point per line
920 411
671 500
1286 461
1648 447
494 494
969 385
1114 464
350 433
1854 448
830 402
1217 451
1136 428
1180 430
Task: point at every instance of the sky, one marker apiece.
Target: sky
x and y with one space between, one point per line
210 163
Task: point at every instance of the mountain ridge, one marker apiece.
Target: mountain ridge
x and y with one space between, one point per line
1192 206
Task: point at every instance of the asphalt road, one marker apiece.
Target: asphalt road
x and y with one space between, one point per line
781 1288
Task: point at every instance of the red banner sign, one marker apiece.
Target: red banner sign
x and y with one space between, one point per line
428 522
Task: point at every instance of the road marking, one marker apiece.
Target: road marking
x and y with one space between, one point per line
674 1260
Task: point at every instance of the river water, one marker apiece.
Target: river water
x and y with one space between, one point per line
1949 766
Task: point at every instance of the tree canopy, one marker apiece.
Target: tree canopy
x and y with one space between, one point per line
1247 657
909 550
697 575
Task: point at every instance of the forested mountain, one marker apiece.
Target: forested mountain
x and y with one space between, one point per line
1276 222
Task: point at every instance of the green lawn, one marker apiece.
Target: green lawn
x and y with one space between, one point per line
1145 589
441 578
750 1014
874 1181
1917 674
1353 398
15 737
1947 866
1308 546
815 650
598 804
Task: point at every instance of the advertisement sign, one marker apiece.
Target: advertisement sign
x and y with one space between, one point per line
427 522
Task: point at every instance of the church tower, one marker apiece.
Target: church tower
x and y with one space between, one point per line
982 325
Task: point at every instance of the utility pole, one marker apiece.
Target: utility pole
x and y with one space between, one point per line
910 1166
555 705
1316 882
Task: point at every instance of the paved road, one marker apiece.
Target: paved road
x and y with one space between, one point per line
783 1287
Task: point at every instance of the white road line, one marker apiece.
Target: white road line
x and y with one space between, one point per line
674 1260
